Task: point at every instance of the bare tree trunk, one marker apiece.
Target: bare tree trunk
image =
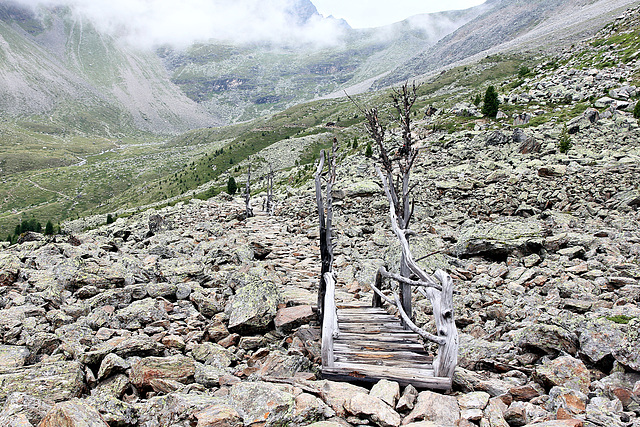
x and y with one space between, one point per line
326 244
247 194
270 191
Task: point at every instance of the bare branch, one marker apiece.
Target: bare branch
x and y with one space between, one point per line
399 278
412 326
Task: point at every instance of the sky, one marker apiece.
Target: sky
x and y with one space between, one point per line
376 13
150 23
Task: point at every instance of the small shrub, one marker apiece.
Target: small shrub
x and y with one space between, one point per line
524 71
564 144
110 219
636 110
477 100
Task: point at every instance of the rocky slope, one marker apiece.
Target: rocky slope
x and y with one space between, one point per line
193 315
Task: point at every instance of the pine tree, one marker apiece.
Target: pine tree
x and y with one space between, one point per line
232 187
369 151
48 229
636 110
491 102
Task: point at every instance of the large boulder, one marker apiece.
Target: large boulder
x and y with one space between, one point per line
73 413
260 402
255 304
56 381
500 238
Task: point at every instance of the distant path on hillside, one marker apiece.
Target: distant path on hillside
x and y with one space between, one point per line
35 184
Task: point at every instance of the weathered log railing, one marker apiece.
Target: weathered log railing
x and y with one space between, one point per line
330 323
439 290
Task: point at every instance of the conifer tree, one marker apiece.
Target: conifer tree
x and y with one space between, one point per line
491 102
232 187
48 229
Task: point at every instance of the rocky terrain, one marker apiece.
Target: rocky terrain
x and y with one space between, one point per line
192 315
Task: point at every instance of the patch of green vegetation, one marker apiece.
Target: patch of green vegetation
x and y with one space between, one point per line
621 319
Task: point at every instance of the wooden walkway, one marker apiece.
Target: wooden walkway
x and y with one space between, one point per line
372 345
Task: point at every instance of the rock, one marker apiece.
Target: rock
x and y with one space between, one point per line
626 352
219 416
435 407
598 338
408 399
472 405
140 313
255 304
494 414
522 413
499 238
387 391
566 402
30 408
179 368
622 386
113 410
280 365
558 423
212 354
73 413
564 371
262 403
497 138
336 394
111 364
469 381
526 392
373 408
13 356
55 381
10 266
174 408
549 339
289 318
604 412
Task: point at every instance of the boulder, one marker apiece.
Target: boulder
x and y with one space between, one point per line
260 402
31 409
440 409
289 318
564 371
10 266
255 304
219 416
540 337
55 381
73 413
387 391
13 356
178 368
373 408
499 238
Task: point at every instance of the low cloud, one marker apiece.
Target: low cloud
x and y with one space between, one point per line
149 23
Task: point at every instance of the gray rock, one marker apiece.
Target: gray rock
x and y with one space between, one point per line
56 381
499 238
22 404
387 391
263 402
255 304
74 412
435 407
373 408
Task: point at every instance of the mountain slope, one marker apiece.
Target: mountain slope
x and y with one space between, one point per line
512 25
63 68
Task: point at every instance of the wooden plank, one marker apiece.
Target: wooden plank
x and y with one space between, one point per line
379 345
419 378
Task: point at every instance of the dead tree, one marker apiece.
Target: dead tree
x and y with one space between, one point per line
247 194
438 288
269 207
396 165
325 215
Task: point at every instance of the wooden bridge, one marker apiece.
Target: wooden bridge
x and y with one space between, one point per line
361 343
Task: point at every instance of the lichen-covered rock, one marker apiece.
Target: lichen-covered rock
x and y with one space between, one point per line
31 408
499 238
13 356
55 381
218 416
255 304
73 413
387 391
626 351
373 408
435 407
179 368
550 339
564 371
10 266
260 402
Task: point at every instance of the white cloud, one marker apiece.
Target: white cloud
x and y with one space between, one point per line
182 22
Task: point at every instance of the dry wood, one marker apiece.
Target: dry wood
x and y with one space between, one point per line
330 323
399 278
441 301
247 194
